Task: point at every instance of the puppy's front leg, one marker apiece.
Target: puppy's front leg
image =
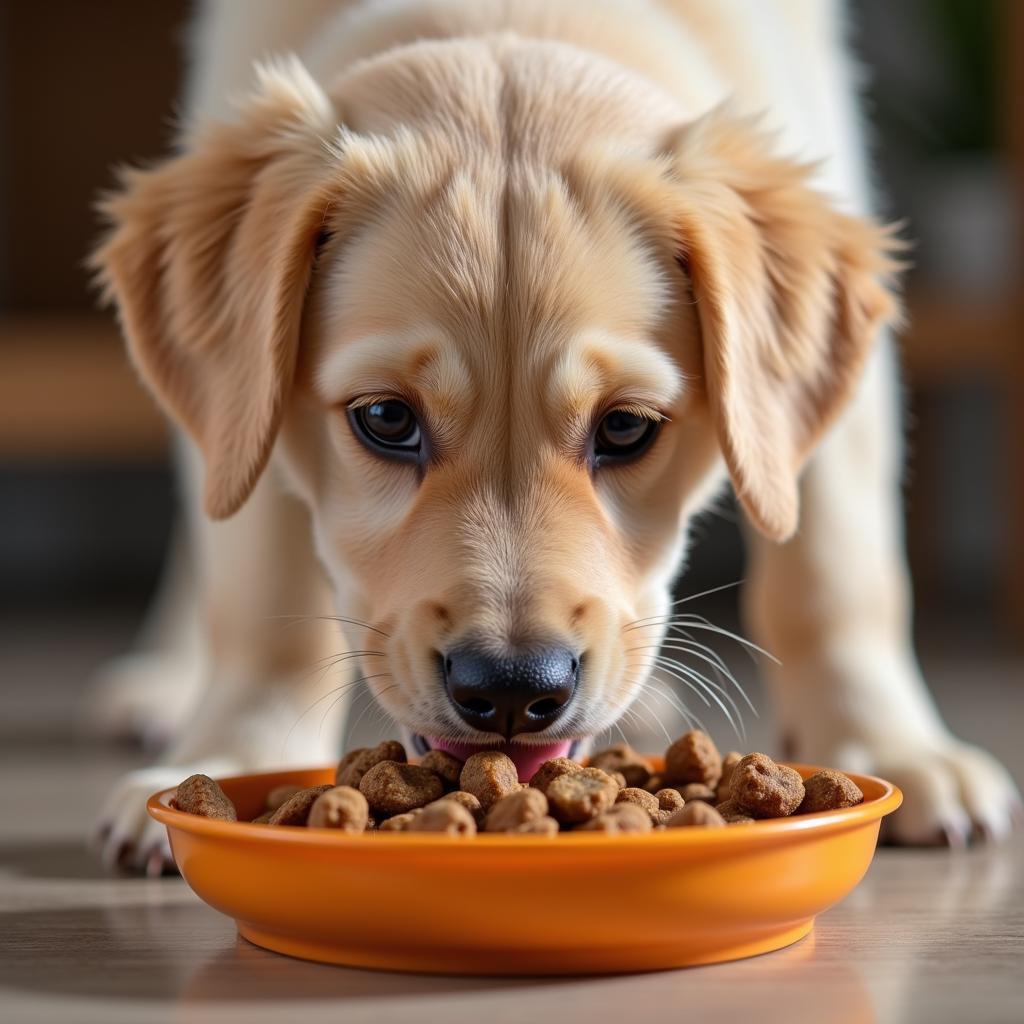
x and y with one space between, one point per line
270 701
834 605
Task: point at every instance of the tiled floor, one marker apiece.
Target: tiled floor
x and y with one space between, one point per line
928 936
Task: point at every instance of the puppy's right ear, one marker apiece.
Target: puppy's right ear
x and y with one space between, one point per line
208 260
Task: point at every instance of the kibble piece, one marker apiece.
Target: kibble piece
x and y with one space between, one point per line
356 764
733 814
470 802
538 827
624 817
693 758
199 794
647 802
697 791
280 795
696 813
295 810
489 776
765 789
581 795
669 799
729 762
520 808
342 808
635 769
829 790
551 770
263 819
447 816
398 822
394 788
446 765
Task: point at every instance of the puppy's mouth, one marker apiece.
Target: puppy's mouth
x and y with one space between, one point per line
528 757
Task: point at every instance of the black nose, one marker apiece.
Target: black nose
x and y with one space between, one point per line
524 693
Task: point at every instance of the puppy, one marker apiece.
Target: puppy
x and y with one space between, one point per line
505 294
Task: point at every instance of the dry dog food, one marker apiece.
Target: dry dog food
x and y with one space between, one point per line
579 796
489 776
199 794
340 807
623 759
394 788
765 789
828 790
377 789
356 763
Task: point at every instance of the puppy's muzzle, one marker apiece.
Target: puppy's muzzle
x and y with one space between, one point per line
511 695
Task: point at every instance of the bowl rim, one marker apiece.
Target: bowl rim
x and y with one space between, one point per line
768 830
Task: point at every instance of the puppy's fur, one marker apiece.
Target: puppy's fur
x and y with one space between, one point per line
516 217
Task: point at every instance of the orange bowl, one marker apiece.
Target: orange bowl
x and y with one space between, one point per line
578 903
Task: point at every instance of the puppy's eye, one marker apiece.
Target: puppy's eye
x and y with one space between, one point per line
623 435
389 427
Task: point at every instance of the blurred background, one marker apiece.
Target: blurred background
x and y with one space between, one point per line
87 497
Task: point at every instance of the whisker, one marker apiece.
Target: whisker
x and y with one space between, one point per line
699 684
693 597
299 619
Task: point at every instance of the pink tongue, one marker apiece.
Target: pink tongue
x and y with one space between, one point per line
528 758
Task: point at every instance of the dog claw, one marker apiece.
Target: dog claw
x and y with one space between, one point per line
953 837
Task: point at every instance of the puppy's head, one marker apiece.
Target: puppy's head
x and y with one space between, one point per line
505 348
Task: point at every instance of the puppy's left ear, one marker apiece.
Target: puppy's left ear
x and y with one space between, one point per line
790 295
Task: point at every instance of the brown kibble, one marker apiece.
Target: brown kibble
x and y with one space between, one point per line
353 766
693 758
199 794
340 807
538 827
624 817
729 763
468 801
697 791
669 799
263 819
447 816
829 790
622 758
520 808
581 795
551 770
764 789
647 802
445 765
489 775
696 813
295 810
620 779
280 795
398 822
733 814
395 788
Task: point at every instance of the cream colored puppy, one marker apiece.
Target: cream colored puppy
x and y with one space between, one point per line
506 295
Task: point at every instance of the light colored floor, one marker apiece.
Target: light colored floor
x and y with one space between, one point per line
928 936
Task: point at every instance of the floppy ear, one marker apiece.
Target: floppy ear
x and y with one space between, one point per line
208 259
790 295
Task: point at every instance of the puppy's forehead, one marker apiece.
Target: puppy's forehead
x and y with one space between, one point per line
491 276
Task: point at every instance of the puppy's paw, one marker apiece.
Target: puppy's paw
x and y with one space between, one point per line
125 836
953 793
142 697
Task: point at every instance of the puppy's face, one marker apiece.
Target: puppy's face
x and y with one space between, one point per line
502 365
501 434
